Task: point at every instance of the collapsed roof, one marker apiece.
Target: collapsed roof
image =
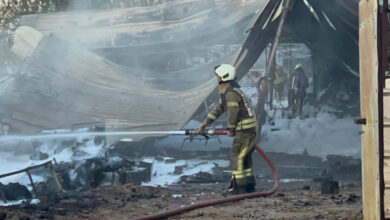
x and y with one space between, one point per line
66 80
328 28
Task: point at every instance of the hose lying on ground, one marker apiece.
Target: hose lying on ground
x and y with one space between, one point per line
181 210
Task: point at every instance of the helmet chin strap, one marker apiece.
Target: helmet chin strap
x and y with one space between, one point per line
230 82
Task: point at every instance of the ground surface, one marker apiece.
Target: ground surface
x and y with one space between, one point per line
129 201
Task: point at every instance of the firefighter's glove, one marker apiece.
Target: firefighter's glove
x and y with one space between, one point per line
230 133
200 128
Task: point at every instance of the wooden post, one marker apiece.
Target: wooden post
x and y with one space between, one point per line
58 184
2 196
369 71
31 182
264 85
27 171
383 67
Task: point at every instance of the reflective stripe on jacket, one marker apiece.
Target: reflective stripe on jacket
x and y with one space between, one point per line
239 111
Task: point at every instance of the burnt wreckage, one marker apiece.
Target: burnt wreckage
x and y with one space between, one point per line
97 67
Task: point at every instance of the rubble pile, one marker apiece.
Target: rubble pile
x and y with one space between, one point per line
201 177
75 176
103 171
98 184
14 191
174 166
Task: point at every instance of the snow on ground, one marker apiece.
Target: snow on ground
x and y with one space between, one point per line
18 202
320 136
290 180
162 173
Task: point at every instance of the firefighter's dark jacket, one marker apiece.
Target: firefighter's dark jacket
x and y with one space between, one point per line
239 111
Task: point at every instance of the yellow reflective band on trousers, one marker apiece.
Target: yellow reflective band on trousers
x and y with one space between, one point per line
232 104
211 116
242 174
246 123
249 170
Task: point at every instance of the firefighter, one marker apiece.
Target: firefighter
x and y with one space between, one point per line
298 82
279 82
241 125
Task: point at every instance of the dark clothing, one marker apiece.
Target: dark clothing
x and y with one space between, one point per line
279 82
239 111
242 123
297 91
241 158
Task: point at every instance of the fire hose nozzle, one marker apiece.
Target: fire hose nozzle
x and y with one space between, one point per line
192 132
206 132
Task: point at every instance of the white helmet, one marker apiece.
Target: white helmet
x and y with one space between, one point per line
227 72
299 65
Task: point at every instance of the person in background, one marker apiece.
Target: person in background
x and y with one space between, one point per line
279 82
298 83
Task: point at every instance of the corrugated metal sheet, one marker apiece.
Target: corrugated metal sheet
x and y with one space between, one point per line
143 27
62 84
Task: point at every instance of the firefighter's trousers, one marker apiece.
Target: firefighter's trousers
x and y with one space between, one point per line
241 159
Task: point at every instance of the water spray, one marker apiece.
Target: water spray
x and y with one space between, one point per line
81 134
189 132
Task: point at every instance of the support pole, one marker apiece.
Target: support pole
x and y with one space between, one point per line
2 197
383 67
31 182
58 184
290 56
264 85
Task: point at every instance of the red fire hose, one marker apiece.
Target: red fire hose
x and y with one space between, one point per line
181 210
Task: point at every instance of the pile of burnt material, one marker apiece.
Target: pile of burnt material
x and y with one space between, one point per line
14 192
76 176
100 171
218 175
289 166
